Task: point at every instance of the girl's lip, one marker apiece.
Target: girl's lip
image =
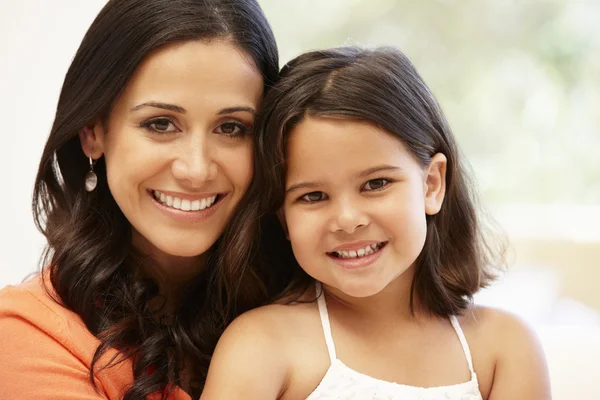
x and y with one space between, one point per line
358 262
356 245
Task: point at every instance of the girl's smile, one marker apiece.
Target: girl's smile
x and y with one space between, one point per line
357 255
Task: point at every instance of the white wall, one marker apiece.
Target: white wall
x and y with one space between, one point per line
38 39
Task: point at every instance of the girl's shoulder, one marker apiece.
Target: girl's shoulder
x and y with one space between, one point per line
498 338
274 341
290 316
495 328
280 323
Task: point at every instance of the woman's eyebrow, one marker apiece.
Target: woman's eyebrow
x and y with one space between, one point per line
164 106
230 110
181 110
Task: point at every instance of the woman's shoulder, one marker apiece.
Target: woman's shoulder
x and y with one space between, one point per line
45 347
30 299
32 306
34 297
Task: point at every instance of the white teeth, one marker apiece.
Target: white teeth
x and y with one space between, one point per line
184 204
365 251
195 205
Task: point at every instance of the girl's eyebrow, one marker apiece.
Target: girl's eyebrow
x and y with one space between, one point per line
378 168
303 185
362 174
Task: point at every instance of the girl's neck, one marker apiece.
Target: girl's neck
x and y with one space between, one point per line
392 301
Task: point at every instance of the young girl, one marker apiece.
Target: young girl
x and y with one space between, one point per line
369 186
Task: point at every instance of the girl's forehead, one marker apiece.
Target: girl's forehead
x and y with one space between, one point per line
324 146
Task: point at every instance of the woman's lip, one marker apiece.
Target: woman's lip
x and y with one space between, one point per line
188 216
186 196
356 245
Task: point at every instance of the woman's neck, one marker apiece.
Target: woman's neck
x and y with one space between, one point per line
171 273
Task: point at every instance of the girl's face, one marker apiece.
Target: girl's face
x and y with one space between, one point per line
177 146
356 202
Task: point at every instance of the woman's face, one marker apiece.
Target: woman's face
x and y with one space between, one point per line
178 147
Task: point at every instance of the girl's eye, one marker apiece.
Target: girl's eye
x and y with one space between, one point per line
160 125
313 197
376 184
234 129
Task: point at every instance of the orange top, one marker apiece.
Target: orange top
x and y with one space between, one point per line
46 351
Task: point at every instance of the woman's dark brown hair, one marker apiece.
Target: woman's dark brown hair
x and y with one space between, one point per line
383 87
89 259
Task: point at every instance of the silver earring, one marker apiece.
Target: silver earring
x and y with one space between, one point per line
91 179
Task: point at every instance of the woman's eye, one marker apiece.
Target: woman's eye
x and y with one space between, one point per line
376 184
313 197
160 125
234 129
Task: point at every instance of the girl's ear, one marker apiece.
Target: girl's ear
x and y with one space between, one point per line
92 140
281 218
435 184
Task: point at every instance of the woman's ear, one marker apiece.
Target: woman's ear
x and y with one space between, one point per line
92 140
435 184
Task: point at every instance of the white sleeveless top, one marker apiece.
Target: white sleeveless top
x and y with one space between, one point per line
343 383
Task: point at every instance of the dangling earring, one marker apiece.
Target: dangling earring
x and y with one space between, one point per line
91 179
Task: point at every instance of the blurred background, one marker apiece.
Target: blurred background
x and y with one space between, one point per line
519 82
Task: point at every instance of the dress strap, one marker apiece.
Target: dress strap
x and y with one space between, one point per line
463 341
325 320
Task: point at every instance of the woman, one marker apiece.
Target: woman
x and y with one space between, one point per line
141 196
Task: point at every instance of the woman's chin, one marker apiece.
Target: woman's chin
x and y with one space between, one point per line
184 252
165 250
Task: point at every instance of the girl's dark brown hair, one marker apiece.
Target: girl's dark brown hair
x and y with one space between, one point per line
89 260
383 87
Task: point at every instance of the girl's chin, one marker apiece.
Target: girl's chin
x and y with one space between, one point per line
359 290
